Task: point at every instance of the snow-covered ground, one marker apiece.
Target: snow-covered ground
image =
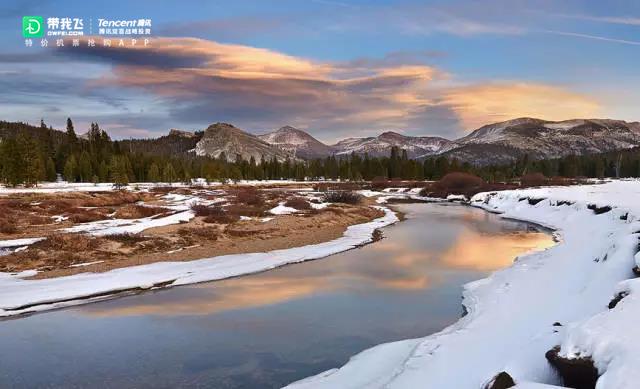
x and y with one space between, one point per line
511 314
18 295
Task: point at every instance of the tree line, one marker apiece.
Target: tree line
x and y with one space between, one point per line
31 154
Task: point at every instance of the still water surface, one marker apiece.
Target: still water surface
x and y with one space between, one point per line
268 329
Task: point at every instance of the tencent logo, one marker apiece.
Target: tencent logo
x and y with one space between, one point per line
32 26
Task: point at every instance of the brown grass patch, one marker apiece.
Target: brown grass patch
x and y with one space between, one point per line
209 233
81 215
8 226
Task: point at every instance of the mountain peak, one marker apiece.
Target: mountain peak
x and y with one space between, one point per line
225 138
297 142
181 133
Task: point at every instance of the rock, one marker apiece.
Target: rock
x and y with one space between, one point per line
578 373
501 380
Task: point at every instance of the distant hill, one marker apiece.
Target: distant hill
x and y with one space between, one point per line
497 143
540 139
380 146
176 142
224 138
297 143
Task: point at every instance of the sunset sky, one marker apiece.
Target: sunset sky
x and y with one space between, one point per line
335 68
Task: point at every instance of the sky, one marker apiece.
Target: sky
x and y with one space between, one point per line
335 68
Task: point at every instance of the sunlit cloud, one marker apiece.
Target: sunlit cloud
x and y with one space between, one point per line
259 89
487 103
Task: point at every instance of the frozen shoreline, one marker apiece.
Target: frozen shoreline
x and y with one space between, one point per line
511 314
20 296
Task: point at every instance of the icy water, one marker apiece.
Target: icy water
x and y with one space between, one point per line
268 329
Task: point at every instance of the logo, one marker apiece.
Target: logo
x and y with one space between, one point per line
32 26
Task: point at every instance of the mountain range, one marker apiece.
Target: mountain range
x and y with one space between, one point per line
495 143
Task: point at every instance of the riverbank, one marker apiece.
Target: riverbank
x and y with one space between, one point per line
555 299
19 295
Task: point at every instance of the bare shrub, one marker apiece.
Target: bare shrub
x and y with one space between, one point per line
533 179
206 210
224 218
345 197
127 238
298 203
214 214
136 211
460 183
248 195
111 199
76 243
380 183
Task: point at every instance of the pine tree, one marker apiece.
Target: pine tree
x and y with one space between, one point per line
118 170
85 170
168 173
70 171
154 173
50 170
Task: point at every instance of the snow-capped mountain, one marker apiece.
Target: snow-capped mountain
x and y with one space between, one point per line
380 146
224 138
496 143
540 139
297 143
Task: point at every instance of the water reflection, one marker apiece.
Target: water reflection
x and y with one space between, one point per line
409 258
269 329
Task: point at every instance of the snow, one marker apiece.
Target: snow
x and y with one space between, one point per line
282 209
129 226
18 242
453 197
509 325
18 296
85 264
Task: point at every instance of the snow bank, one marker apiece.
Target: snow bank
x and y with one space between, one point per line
19 296
282 209
511 314
18 242
129 226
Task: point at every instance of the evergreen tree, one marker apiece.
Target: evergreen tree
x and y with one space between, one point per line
154 173
70 169
118 170
168 173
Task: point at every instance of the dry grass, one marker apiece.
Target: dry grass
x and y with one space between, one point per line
8 226
209 233
81 215
247 210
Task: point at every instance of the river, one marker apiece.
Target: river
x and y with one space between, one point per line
268 329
